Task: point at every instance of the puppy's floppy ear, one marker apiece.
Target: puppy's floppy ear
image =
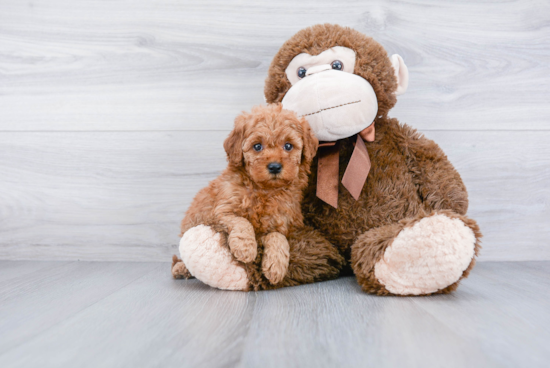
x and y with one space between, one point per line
233 144
311 143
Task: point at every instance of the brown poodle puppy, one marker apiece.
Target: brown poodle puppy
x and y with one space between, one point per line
257 198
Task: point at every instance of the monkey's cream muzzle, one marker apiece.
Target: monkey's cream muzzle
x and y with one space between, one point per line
337 105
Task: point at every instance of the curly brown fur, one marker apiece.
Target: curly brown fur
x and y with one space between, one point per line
410 175
247 201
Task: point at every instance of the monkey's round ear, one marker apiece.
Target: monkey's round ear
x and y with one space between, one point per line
401 73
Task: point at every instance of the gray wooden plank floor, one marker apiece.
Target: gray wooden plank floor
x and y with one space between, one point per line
101 314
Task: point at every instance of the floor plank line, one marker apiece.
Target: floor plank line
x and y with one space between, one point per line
131 314
63 292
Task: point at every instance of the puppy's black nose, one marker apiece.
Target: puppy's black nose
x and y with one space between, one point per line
274 167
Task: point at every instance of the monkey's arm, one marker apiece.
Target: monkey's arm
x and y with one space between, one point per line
438 183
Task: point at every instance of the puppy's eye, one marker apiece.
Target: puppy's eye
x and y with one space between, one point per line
301 72
258 147
337 65
288 147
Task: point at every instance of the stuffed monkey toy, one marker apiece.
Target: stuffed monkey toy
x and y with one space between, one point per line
383 202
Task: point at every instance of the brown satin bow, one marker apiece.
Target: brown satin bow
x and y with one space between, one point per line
354 177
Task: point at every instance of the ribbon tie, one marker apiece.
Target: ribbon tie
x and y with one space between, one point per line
354 177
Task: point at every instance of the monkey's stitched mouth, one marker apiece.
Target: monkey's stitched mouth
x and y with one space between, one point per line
328 108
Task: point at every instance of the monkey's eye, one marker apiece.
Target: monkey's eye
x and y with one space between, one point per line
337 65
288 147
301 72
258 147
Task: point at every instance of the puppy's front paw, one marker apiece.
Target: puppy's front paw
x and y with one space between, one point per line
243 245
274 270
276 257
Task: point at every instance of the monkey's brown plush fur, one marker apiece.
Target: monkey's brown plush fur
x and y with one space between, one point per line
410 179
250 204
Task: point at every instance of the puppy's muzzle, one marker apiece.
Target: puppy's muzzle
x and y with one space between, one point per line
274 167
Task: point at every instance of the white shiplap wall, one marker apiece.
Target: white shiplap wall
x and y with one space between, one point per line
113 114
